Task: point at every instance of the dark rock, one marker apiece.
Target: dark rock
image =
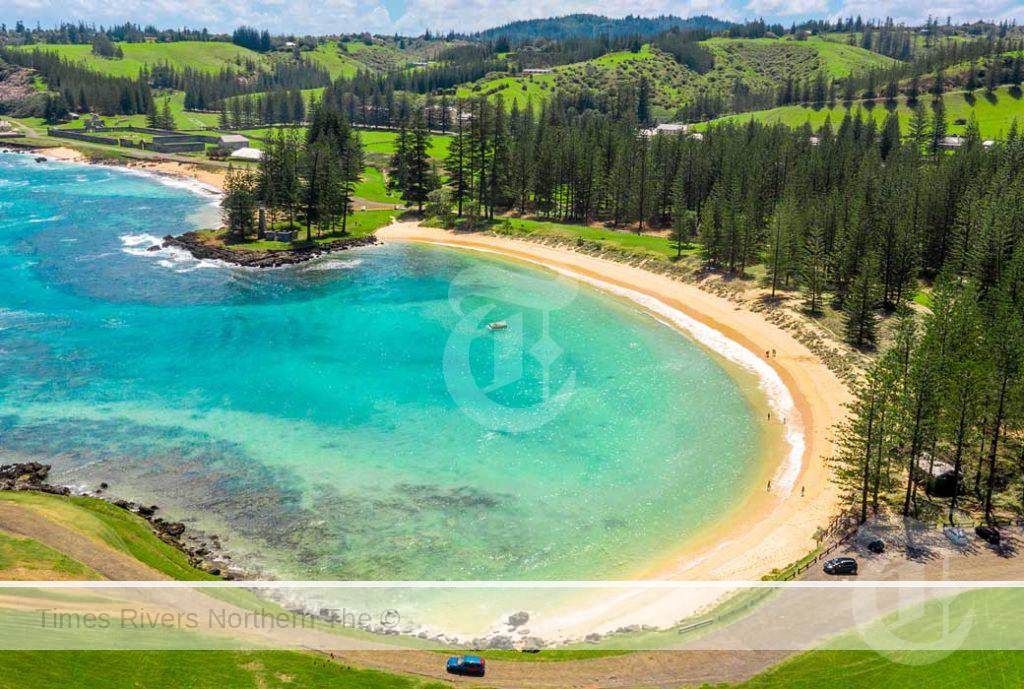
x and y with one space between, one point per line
155 247
500 643
532 644
518 619
145 511
194 244
104 485
28 472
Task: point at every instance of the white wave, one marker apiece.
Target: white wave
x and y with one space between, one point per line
174 258
333 264
49 218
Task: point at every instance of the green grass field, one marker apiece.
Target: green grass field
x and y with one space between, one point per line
781 57
109 524
869 670
383 142
191 669
184 121
334 61
374 188
519 90
359 224
209 56
994 115
654 246
24 559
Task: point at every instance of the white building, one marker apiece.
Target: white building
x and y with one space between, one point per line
665 128
233 142
251 155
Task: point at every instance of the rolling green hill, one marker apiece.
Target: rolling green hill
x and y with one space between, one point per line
995 115
760 63
774 59
334 61
209 56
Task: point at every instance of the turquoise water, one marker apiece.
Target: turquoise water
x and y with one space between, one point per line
352 418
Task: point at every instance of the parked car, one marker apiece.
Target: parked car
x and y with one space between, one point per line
472 666
955 535
841 565
989 534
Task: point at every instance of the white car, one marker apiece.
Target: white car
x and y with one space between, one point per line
955 535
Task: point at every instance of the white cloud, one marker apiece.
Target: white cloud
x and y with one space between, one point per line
346 16
787 8
279 16
917 11
475 15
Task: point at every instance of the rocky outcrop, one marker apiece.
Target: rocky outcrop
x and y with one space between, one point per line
196 245
28 476
518 619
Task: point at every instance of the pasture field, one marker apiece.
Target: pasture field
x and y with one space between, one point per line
995 114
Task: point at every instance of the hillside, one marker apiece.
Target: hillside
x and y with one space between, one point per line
775 59
591 25
209 56
762 64
994 114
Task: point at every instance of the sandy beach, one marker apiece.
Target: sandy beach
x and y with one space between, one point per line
771 529
210 177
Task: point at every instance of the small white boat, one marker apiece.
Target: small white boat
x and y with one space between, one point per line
497 325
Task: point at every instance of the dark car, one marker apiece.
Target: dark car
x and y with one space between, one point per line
989 534
472 666
841 565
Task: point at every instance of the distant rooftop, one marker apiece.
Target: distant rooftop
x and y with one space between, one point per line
248 154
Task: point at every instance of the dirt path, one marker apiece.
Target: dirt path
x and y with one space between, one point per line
640 669
108 562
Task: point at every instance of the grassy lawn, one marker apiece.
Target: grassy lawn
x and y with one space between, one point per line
109 524
191 669
24 559
654 246
334 61
183 120
360 224
383 142
869 670
837 59
374 188
519 90
994 115
209 56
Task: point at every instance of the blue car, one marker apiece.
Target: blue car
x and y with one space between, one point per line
471 666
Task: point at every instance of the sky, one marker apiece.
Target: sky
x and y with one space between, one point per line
412 17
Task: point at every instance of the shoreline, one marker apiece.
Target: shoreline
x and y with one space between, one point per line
208 180
768 531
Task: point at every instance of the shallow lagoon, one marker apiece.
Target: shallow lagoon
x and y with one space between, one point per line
352 418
